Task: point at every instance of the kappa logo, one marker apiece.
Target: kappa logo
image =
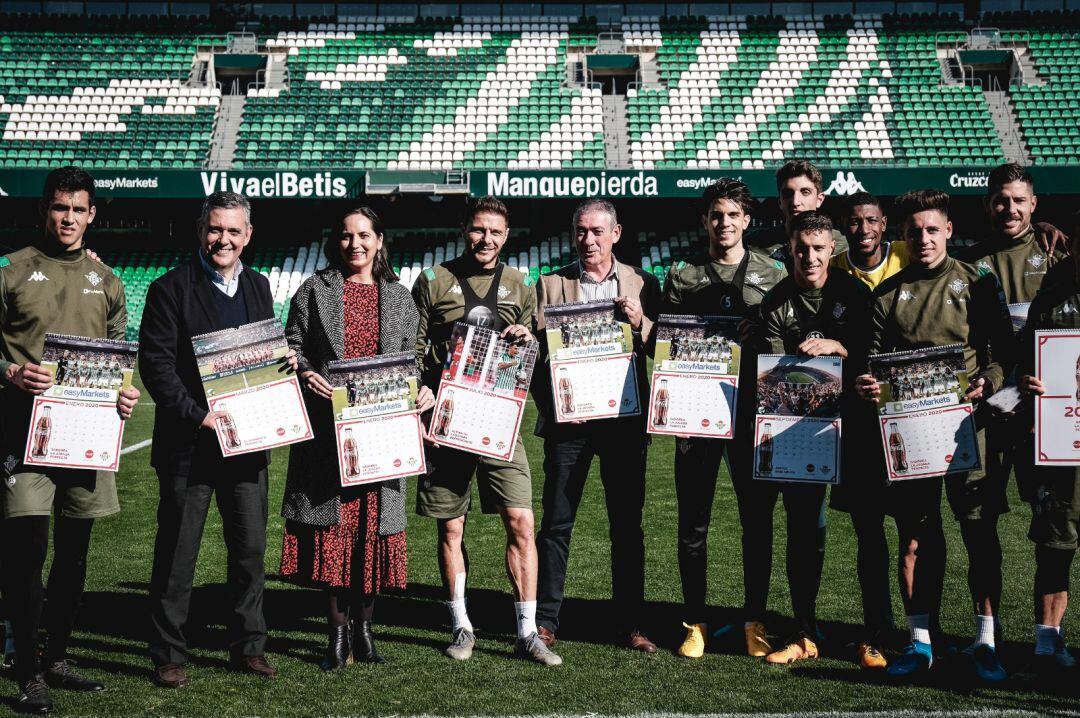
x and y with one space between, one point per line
1068 308
38 277
456 289
838 310
815 335
503 292
906 296
754 278
845 184
1036 260
983 264
94 278
957 286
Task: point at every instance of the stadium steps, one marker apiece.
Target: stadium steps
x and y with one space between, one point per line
616 132
1029 71
1005 124
224 140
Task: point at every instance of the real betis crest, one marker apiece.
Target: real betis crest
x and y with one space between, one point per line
503 292
957 286
838 310
1036 260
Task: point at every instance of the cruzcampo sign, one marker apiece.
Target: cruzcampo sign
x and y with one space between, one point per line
616 184
196 184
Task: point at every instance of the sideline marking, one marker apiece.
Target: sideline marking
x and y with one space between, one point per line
135 447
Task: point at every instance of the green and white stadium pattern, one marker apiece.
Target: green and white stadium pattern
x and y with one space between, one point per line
84 98
1049 113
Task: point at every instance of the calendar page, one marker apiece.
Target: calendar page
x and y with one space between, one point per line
927 425
797 428
74 424
482 393
590 351
245 375
1057 412
695 376
379 435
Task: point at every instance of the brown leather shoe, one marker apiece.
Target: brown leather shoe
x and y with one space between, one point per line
638 641
546 636
170 675
255 665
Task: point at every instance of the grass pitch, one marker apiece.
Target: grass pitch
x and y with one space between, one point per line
597 676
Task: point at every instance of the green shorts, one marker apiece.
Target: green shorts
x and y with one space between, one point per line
445 492
1055 507
972 495
77 494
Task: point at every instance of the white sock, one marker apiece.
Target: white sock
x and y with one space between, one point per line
1046 640
919 627
525 611
458 616
984 631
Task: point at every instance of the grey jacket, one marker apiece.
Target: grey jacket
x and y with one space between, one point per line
316 330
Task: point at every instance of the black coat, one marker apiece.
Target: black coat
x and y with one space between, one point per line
179 305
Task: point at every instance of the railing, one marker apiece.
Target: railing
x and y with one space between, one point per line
610 43
984 38
241 43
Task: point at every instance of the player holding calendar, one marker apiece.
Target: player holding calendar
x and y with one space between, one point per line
729 280
935 301
478 289
814 312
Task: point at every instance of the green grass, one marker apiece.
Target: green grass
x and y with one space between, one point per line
597 675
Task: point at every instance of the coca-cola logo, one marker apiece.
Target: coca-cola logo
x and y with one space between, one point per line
1076 444
281 431
486 440
89 453
809 468
704 423
948 457
611 403
397 463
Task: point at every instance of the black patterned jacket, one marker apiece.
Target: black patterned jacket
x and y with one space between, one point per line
316 330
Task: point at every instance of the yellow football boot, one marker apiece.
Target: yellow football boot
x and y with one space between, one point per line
870 657
798 650
757 641
694 644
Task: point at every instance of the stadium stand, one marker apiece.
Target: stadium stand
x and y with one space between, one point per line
450 93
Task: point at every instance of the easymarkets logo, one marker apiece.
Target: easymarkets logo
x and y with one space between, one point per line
110 184
278 184
505 184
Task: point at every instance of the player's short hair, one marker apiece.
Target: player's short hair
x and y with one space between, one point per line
922 200
224 200
595 205
381 270
1006 173
860 199
799 168
732 190
810 221
68 180
481 205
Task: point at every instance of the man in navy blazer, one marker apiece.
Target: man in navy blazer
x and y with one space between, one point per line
213 291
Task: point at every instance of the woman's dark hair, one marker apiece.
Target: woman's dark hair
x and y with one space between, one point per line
381 271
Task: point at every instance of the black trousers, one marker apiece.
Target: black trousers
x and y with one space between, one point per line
697 463
182 507
621 446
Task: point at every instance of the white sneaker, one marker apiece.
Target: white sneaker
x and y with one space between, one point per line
461 648
532 648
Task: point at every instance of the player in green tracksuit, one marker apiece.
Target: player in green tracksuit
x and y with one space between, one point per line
938 300
1053 491
478 289
51 286
798 189
728 280
814 312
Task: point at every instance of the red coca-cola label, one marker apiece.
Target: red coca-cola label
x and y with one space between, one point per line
281 431
704 423
397 463
486 440
89 453
948 457
1076 444
611 403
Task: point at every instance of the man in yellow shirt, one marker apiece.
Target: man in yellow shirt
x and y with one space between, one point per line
869 257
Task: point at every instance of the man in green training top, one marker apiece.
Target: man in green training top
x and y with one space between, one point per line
476 288
1053 491
814 312
51 286
934 301
798 189
727 280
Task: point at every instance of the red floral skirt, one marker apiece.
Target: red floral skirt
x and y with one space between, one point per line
352 551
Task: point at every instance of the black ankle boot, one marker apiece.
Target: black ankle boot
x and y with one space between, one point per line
338 650
364 644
